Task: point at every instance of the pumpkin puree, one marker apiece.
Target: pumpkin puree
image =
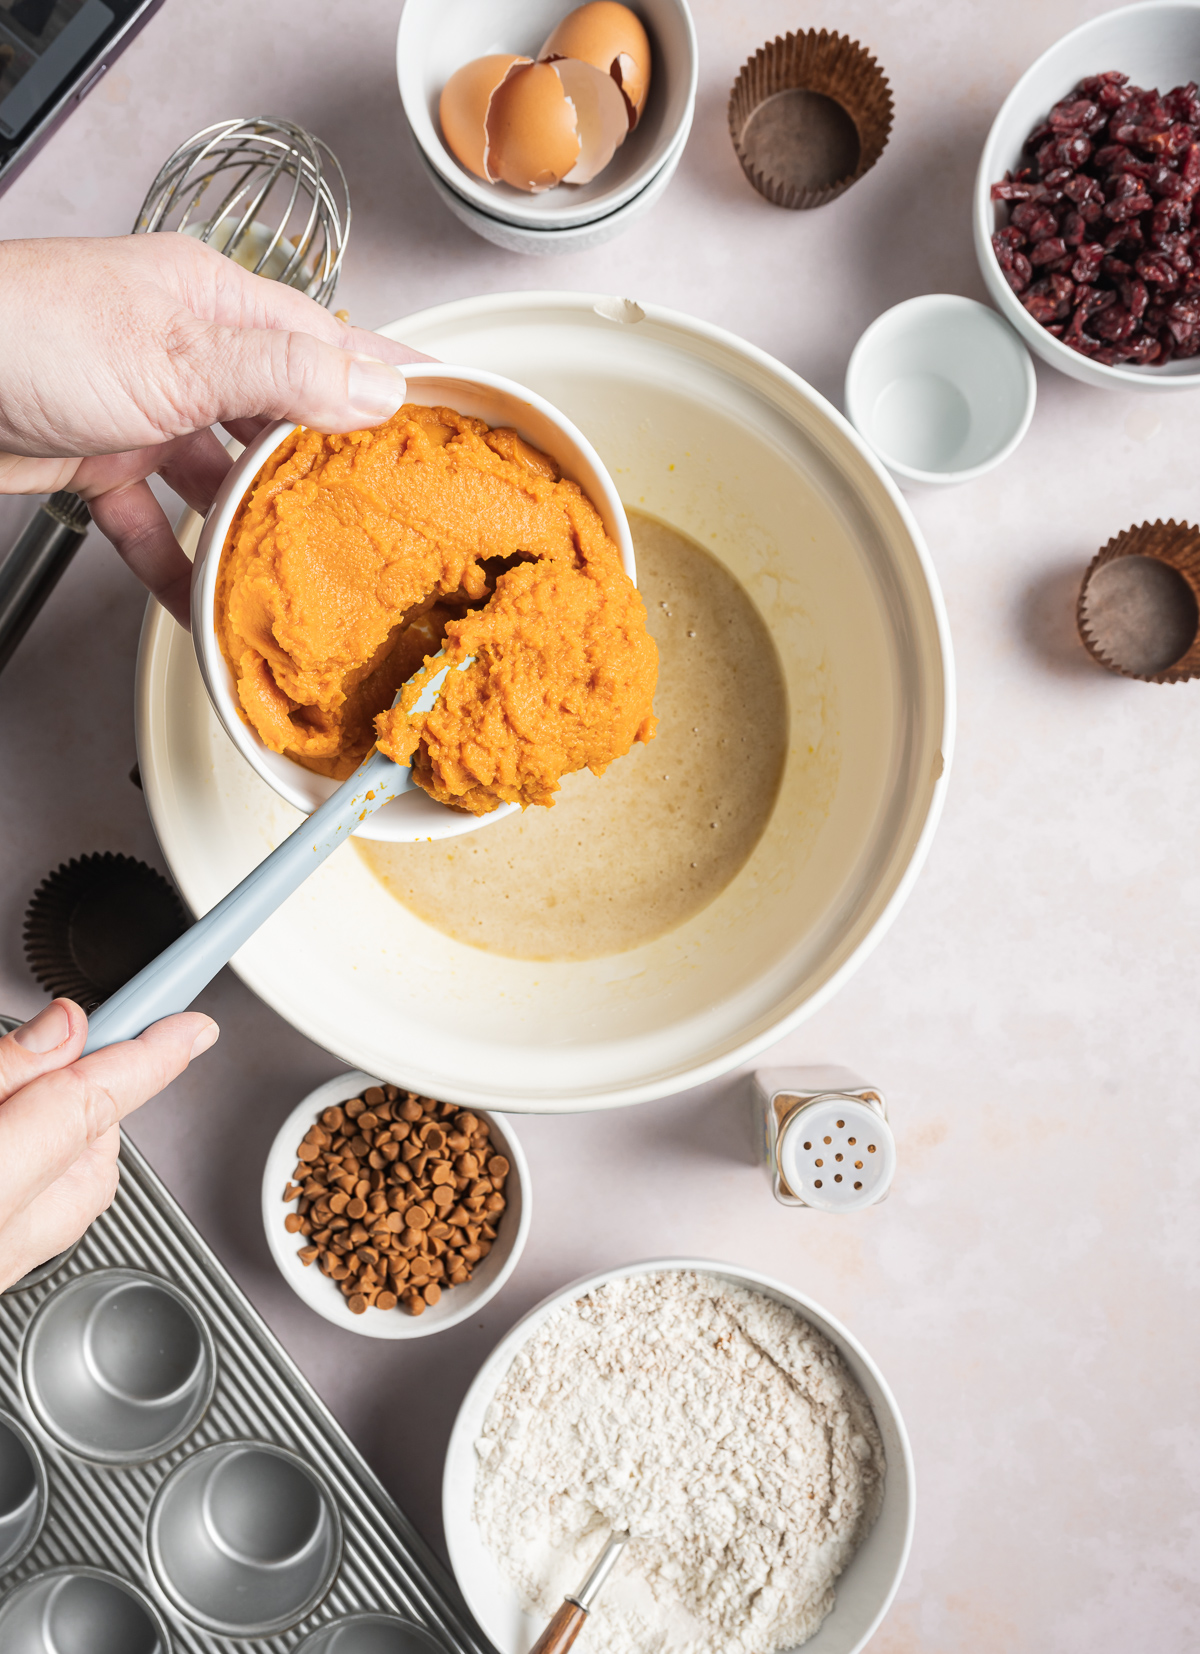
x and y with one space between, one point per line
353 559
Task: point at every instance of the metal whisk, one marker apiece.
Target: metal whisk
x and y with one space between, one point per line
263 192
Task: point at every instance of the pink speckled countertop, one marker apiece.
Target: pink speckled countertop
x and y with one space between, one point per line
1030 1289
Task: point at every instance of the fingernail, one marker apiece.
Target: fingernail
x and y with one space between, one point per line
46 1031
204 1039
375 389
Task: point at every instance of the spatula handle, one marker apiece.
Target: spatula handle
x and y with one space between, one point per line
171 982
562 1630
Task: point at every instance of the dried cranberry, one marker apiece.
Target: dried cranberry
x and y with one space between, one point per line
1072 114
1087 262
1064 152
1010 191
1049 251
1154 268
1080 188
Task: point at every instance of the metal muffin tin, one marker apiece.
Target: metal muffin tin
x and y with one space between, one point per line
168 1480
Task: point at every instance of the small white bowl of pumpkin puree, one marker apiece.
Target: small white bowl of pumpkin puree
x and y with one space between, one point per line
477 522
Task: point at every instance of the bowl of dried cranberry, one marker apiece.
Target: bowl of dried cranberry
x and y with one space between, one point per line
1087 201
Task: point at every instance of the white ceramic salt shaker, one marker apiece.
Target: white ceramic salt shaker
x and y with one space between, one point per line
824 1137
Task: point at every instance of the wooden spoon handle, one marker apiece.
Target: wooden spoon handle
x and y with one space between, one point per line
562 1630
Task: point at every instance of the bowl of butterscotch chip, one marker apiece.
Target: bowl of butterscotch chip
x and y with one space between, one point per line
391 1213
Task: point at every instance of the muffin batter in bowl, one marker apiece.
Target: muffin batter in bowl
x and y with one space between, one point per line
621 861
353 558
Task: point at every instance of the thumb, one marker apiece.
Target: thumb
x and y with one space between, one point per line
245 372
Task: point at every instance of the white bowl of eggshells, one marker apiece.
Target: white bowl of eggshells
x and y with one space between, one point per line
649 117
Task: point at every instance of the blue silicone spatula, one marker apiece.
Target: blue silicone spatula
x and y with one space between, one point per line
171 982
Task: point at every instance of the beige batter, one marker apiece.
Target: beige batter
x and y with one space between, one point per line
627 856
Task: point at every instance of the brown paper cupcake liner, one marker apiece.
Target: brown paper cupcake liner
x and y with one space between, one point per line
1139 605
95 921
809 114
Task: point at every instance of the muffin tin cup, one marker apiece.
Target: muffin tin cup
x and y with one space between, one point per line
244 1538
118 1366
809 115
43 1271
80 1610
22 1493
1139 605
371 1634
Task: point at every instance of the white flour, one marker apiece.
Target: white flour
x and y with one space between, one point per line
719 1428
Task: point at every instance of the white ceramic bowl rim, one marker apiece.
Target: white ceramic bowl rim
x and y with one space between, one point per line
302 788
320 1294
461 1447
991 169
567 206
999 329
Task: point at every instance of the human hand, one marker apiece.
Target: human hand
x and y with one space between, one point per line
59 1122
117 356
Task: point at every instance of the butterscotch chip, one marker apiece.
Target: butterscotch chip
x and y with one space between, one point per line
495 1203
307 1152
472 1253
307 1254
333 1118
386 1300
418 1217
443 1197
357 1304
373 1095
354 1107
367 1121
414 1303
467 1124
356 1208
442 1173
411 1110
432 1294
293 1223
498 1166
458 1276
410 1237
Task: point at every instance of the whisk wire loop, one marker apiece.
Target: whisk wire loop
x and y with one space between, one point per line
285 210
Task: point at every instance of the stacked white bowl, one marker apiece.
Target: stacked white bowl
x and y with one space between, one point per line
435 39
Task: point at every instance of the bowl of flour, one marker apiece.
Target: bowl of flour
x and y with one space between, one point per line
744 1437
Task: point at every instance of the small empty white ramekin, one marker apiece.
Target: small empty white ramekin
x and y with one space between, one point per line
414 815
941 387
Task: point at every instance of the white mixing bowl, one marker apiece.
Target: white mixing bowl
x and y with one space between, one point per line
1157 44
435 39
414 815
724 443
865 1589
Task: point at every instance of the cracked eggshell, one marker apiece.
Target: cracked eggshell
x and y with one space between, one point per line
611 38
533 132
465 107
600 114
